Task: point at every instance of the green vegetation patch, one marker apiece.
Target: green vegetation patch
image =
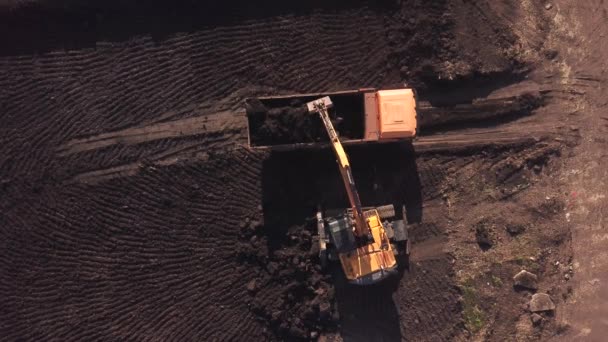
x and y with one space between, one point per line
474 317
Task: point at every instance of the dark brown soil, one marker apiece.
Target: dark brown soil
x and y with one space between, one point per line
131 208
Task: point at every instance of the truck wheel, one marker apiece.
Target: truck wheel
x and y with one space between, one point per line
386 211
402 254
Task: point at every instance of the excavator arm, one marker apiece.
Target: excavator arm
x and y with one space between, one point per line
321 106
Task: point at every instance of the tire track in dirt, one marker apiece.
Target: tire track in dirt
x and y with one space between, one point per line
439 320
116 86
136 247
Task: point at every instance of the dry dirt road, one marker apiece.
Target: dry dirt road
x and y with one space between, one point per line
582 28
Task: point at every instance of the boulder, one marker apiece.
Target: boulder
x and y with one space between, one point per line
525 279
541 302
536 318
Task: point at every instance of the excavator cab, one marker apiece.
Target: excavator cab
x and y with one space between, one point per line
368 263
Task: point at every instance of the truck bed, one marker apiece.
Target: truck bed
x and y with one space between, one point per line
284 120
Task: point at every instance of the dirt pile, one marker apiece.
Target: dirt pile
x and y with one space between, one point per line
284 125
290 294
293 123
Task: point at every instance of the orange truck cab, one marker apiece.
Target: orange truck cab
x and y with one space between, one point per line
390 114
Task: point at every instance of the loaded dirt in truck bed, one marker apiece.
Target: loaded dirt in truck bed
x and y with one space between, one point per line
277 121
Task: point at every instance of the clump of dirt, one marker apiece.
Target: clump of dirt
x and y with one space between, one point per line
284 125
483 235
291 295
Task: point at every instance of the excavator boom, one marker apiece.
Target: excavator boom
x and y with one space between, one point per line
363 242
321 106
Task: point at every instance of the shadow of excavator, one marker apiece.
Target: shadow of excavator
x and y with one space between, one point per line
294 184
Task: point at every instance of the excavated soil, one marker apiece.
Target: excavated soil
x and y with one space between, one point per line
132 209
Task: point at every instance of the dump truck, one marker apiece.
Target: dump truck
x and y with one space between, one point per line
370 115
366 240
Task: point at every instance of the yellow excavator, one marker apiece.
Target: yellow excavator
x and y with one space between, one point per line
365 245
366 240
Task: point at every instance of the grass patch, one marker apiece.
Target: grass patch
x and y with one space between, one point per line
474 317
530 265
496 282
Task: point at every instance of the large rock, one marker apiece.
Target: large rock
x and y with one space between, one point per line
525 279
536 319
541 302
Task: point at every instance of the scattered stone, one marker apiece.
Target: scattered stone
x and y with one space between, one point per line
567 276
516 229
254 224
536 318
314 334
252 286
541 302
525 279
548 6
551 54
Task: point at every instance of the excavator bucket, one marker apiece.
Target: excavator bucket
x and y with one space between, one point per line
314 105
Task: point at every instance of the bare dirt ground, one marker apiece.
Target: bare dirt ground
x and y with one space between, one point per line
582 28
132 209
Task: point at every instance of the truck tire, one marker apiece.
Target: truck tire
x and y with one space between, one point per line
386 211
